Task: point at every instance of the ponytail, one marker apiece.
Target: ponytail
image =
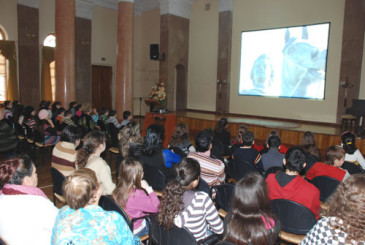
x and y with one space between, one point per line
91 142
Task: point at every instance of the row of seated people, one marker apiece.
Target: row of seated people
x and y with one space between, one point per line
51 121
82 221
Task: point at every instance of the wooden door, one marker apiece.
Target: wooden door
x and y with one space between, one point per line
101 86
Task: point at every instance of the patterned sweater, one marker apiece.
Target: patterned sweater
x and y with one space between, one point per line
198 215
212 170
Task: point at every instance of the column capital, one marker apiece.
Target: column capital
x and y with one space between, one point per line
226 5
29 3
129 1
84 9
181 8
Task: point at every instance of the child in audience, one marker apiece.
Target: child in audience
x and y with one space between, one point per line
335 157
95 115
127 117
272 158
29 117
352 154
67 119
264 148
250 220
104 115
45 126
182 206
72 106
343 221
113 119
89 157
247 153
288 184
134 194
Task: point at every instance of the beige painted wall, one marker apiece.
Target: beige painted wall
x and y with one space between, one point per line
203 51
8 18
362 82
104 30
262 14
146 71
47 20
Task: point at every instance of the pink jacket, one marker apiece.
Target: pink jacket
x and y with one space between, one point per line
139 204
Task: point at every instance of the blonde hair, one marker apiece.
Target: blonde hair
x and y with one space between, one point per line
80 187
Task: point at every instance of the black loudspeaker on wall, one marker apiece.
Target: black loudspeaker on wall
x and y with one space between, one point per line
154 52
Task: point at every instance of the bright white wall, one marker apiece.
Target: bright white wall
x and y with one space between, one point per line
263 14
104 30
146 71
8 18
203 51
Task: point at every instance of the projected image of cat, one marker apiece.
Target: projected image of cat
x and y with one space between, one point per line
262 76
303 67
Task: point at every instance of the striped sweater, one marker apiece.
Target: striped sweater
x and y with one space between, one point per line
212 170
64 157
198 215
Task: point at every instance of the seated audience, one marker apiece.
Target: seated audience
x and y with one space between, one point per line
212 170
72 106
134 194
8 139
113 119
103 119
247 153
290 185
46 127
8 112
250 220
238 141
130 140
82 221
64 153
272 158
222 135
153 153
343 221
127 117
85 120
67 120
182 206
180 142
89 157
309 145
352 154
264 148
335 157
95 115
26 214
29 117
55 109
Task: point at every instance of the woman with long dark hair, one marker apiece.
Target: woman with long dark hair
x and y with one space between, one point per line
182 205
344 220
250 220
153 153
222 135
